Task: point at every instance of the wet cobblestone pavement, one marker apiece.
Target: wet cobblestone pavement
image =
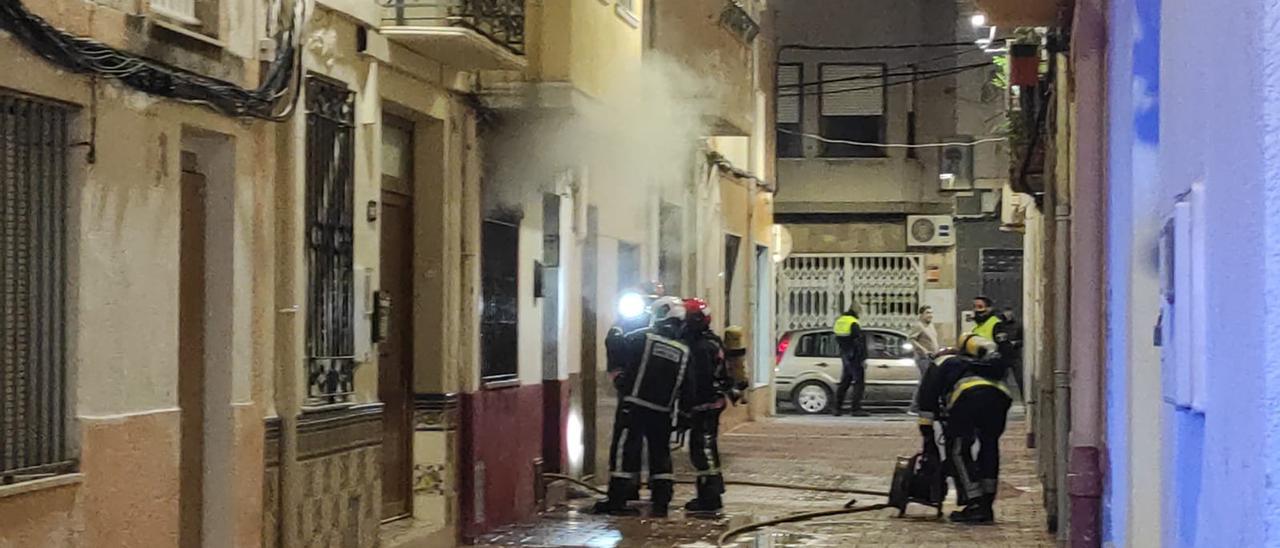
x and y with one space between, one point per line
854 453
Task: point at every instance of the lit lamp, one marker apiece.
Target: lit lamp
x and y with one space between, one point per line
631 305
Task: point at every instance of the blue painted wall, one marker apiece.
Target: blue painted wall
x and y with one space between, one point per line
1195 92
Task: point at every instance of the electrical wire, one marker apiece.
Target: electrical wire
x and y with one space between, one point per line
875 47
932 76
86 56
885 75
893 145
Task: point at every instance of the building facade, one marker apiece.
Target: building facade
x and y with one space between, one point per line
883 222
372 282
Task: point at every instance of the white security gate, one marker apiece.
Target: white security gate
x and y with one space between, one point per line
813 290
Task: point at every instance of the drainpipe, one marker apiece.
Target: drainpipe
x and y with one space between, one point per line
1085 474
1061 351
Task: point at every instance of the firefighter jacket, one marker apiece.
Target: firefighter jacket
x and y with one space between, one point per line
615 345
853 346
707 379
654 370
945 381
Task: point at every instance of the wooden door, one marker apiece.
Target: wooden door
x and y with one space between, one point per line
395 356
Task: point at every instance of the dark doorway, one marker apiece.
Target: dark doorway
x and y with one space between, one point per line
395 355
192 311
500 282
590 371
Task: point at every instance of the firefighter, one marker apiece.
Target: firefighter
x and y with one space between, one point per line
853 355
633 316
708 388
966 393
650 382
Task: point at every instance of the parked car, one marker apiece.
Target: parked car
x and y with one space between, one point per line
808 369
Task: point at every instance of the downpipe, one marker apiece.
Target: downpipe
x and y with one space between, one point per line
1062 366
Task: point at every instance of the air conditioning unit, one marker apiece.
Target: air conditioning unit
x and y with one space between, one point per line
930 231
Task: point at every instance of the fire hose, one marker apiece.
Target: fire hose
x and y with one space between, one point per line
805 516
743 483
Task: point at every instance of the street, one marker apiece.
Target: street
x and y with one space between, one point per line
821 451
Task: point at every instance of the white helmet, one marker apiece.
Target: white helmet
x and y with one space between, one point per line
667 309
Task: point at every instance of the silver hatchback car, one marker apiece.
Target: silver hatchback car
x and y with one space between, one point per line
808 369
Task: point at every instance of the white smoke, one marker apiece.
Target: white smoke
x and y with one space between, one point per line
642 132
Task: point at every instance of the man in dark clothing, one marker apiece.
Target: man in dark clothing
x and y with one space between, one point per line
853 356
968 395
650 384
707 384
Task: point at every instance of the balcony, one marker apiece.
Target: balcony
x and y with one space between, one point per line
465 34
1020 13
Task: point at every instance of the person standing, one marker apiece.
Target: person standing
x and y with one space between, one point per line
651 381
707 389
853 356
924 335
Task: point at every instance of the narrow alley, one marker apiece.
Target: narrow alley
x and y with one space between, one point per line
823 452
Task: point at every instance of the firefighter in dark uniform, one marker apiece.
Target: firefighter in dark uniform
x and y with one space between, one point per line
853 356
650 383
967 394
633 316
708 388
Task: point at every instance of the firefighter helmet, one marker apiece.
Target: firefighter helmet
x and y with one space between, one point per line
697 314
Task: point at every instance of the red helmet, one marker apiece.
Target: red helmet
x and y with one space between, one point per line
697 313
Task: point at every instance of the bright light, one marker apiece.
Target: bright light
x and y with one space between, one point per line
978 20
574 431
947 178
631 305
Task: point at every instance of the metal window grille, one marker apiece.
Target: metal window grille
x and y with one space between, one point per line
813 290
500 20
33 198
330 155
500 282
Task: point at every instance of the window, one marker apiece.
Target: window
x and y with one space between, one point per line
199 16
852 108
33 197
628 265
818 345
884 346
790 111
732 243
670 248
500 286
330 153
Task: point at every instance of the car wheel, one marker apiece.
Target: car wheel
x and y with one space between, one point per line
812 397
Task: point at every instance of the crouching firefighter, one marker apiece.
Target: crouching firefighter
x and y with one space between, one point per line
708 386
649 384
966 393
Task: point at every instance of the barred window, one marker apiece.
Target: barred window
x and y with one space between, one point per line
330 185
33 198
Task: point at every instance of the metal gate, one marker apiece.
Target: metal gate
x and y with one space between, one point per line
1002 278
814 289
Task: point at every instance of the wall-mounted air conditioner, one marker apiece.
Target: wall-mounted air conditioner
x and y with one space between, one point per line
930 231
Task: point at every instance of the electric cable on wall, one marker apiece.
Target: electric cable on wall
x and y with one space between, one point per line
894 145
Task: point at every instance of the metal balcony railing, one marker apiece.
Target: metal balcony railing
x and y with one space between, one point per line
499 20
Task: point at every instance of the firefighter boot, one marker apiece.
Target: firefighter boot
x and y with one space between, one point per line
980 512
708 500
616 501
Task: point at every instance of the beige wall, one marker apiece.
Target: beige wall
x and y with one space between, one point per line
689 32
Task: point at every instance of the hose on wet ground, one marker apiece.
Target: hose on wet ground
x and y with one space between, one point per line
743 483
805 516
848 508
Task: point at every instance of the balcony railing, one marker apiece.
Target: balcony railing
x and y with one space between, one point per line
499 20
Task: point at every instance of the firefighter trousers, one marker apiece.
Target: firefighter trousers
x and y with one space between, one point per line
636 427
978 416
704 451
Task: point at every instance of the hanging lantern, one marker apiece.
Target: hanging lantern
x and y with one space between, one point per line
1024 65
